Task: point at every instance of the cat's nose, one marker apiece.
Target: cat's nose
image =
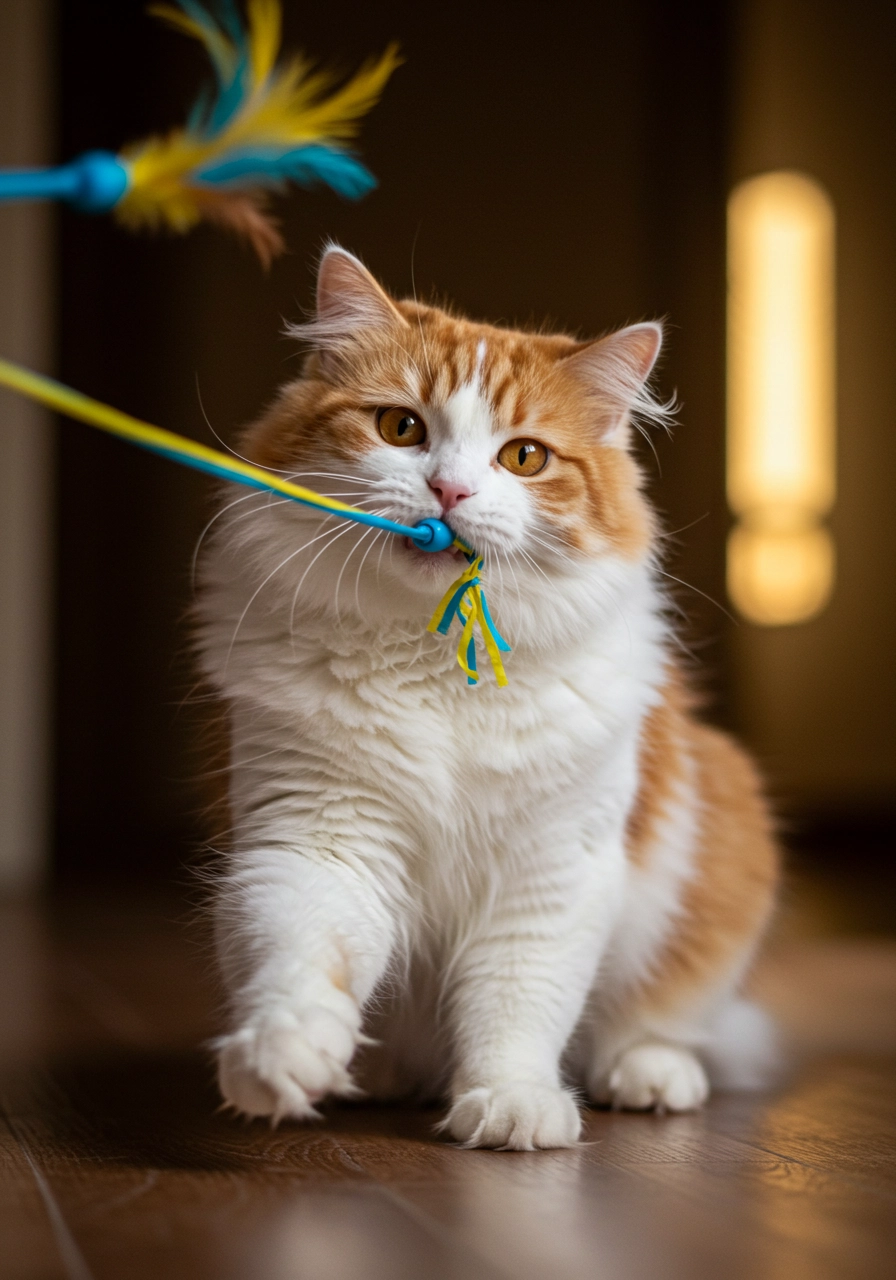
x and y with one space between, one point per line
448 493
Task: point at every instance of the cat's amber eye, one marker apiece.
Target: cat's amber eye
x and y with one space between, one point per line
401 426
524 457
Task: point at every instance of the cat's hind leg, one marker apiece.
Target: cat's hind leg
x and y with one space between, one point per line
666 1021
654 1077
669 1068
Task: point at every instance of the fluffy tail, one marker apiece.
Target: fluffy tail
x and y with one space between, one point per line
743 1049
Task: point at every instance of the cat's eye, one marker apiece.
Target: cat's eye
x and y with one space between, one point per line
524 457
401 427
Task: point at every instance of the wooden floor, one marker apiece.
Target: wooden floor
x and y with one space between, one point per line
114 1161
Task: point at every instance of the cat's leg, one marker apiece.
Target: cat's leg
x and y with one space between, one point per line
520 986
303 937
666 1019
667 1060
655 1073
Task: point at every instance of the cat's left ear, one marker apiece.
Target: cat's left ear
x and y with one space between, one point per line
615 370
349 298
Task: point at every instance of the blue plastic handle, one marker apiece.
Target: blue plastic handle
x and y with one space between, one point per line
94 183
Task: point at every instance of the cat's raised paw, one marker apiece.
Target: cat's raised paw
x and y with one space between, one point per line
659 1077
515 1117
282 1063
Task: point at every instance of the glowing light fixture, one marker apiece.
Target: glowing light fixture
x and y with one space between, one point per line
781 397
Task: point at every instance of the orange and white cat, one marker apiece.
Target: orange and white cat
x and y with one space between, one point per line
509 897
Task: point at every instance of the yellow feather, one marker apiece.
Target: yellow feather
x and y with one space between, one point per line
286 106
220 49
264 38
338 115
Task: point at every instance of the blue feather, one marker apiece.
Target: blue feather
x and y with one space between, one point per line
271 167
212 112
231 97
229 18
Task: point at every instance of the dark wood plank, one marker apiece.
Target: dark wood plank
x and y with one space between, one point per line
115 1159
30 1250
221 1225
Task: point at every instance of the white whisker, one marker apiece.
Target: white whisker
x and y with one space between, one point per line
220 439
516 583
217 516
690 586
379 562
547 537
378 535
354 547
534 563
254 596
557 552
662 537
329 475
417 304
336 533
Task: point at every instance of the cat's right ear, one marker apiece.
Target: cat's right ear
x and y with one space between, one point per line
349 299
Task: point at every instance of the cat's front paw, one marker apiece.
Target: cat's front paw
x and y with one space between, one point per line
515 1117
280 1064
660 1077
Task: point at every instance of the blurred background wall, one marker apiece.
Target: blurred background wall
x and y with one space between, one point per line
813 89
569 163
27 305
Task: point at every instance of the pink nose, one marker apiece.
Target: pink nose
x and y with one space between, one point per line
449 494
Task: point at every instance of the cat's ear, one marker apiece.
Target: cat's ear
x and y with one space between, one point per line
349 299
615 371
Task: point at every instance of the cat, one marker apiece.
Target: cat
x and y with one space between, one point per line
507 897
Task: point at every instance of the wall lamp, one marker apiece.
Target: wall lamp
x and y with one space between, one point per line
781 475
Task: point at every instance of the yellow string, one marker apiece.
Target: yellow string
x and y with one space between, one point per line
471 611
494 652
468 574
57 396
96 414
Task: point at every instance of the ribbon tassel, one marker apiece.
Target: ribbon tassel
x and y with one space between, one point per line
465 600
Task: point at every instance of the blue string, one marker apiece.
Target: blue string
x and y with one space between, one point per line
499 639
451 611
471 661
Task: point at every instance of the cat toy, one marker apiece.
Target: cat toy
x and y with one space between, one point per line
266 124
465 598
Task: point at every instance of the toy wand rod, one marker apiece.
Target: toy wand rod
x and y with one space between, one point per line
465 599
94 183
429 535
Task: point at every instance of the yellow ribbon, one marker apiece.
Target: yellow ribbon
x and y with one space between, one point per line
464 600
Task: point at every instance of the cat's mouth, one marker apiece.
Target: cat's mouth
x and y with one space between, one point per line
433 558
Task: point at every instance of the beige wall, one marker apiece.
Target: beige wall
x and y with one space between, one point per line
25 456
815 92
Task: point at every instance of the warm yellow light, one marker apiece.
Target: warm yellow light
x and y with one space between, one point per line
780 576
781 389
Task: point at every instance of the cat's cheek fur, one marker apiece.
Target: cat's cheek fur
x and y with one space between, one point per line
519 892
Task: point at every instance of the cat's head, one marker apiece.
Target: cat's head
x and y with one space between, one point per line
519 441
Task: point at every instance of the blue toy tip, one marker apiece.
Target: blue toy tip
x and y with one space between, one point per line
433 535
94 183
102 180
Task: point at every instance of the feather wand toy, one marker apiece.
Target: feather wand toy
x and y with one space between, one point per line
464 600
266 124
